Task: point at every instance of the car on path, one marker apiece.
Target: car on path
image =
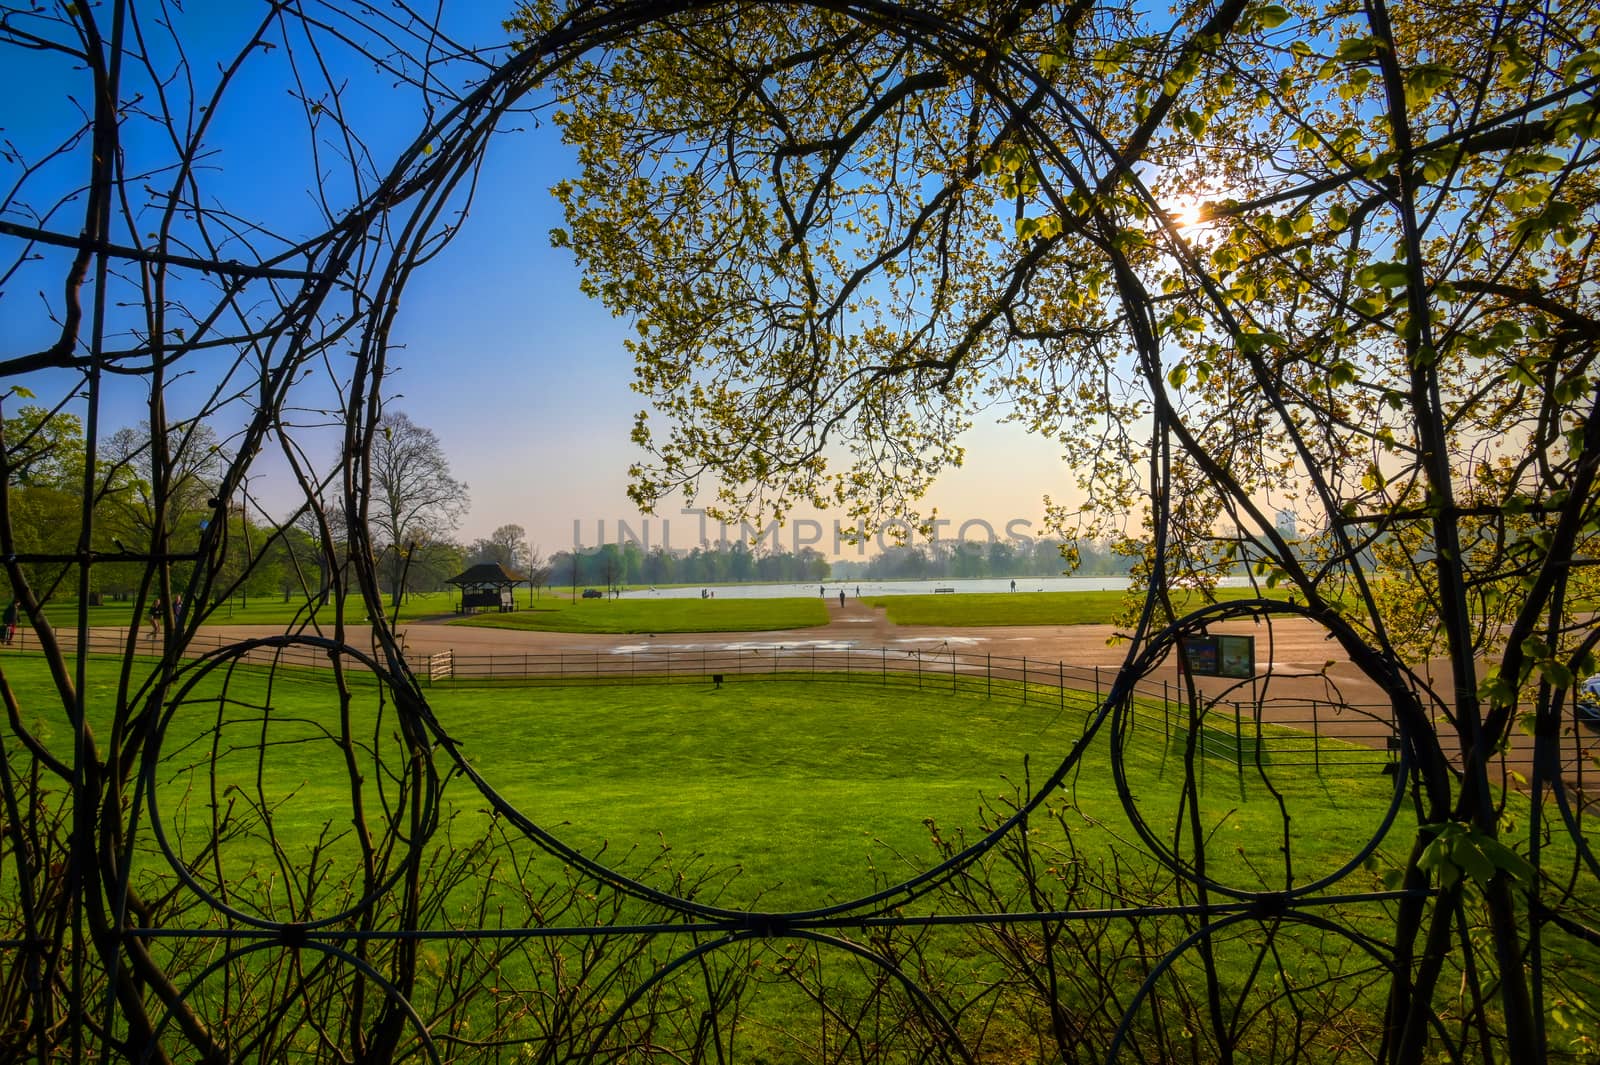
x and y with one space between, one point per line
1587 702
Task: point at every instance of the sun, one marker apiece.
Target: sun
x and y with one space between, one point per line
1185 211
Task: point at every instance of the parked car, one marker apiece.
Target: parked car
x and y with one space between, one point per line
593 593
1588 703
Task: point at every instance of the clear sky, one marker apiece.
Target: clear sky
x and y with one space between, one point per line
524 379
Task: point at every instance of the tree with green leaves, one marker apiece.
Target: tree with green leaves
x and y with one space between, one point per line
1336 258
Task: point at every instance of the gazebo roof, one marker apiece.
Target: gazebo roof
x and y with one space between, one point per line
487 575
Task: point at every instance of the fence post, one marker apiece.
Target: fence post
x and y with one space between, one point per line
1097 685
988 675
1024 680
1316 739
883 653
1061 683
1238 739
919 669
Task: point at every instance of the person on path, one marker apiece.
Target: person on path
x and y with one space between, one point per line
8 624
841 598
822 591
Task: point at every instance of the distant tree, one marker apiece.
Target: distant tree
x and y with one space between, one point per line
659 566
432 563
609 558
507 545
570 565
813 565
410 503
44 449
253 561
314 554
41 464
170 494
538 571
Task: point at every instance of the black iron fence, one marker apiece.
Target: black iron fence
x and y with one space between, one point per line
1235 727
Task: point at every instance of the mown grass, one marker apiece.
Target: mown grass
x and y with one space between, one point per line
254 610
659 615
815 790
980 609
556 611
807 785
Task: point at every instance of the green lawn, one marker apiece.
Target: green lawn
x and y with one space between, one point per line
256 610
659 615
804 783
807 785
556 611
1023 607
801 792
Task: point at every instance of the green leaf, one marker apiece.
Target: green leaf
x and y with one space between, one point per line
1436 858
1356 50
1272 16
1534 163
1556 673
1250 343
1387 275
1506 860
1466 851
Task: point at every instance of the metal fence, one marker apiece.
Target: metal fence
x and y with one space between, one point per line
1322 734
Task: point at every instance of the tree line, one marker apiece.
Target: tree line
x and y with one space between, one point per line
415 506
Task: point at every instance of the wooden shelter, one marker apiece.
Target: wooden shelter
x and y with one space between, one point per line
488 585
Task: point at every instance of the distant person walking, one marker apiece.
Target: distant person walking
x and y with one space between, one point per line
822 591
841 598
1013 584
8 624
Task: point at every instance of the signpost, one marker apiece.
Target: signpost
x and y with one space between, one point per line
1218 656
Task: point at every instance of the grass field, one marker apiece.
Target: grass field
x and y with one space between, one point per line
257 610
659 615
1023 607
807 785
800 792
556 611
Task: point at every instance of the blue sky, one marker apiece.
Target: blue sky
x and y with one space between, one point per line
524 379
